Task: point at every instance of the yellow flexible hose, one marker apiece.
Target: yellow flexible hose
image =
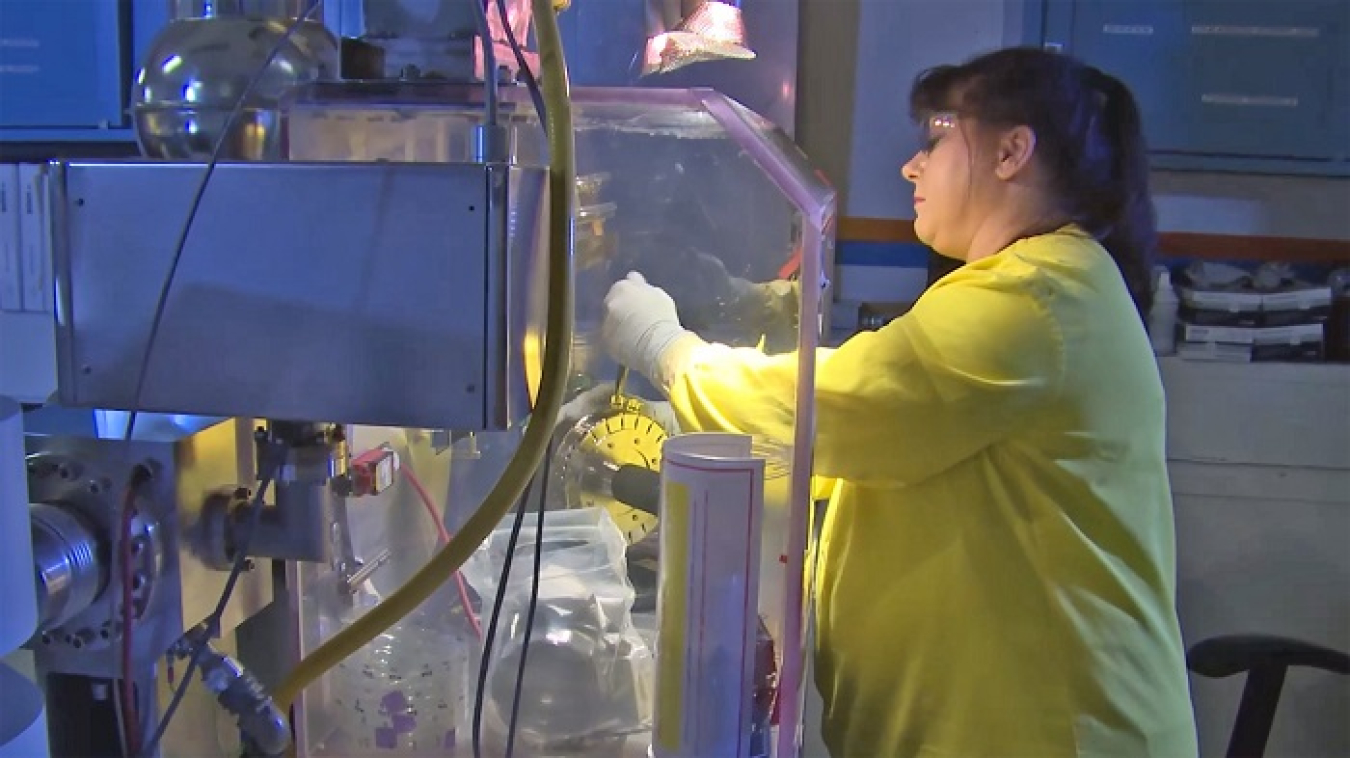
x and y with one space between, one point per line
534 443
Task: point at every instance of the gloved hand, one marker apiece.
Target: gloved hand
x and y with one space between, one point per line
641 323
584 404
711 275
597 399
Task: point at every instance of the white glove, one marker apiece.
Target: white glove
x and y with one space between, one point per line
641 323
585 403
597 399
664 414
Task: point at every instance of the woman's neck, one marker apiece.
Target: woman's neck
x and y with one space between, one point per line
1014 219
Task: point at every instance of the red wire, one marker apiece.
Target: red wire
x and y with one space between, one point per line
441 532
444 535
130 719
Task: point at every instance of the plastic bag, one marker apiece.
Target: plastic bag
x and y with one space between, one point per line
589 674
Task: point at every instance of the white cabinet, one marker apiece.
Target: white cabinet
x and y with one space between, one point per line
1260 463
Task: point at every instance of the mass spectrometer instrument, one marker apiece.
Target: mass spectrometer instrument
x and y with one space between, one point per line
309 356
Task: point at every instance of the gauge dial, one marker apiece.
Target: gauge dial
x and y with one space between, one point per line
624 435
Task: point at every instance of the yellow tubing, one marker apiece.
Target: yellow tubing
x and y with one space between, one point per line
444 564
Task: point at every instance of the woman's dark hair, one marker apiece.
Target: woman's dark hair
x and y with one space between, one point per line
1088 137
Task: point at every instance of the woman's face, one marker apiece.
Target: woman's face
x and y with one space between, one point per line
948 181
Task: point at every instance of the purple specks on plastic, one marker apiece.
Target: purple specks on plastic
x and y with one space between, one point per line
448 742
394 701
385 739
404 723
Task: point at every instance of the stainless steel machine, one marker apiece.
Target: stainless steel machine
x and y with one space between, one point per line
290 381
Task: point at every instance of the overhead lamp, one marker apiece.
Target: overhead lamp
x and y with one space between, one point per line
714 30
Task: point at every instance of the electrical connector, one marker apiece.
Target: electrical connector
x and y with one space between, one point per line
373 471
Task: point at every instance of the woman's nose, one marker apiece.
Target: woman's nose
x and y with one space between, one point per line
911 169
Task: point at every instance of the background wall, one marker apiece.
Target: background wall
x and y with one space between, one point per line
857 59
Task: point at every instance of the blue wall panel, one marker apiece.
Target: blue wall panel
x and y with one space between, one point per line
66 66
60 63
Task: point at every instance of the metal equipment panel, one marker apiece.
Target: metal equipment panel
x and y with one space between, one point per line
85 477
332 292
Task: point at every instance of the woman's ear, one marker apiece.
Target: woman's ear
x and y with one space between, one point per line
1016 146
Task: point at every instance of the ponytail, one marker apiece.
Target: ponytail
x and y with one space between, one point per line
1128 224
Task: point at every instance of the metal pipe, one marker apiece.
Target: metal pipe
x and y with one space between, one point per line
69 574
296 528
264 726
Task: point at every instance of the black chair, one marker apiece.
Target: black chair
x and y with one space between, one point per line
1264 658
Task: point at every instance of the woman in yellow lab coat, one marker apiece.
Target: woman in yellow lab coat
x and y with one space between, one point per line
997 566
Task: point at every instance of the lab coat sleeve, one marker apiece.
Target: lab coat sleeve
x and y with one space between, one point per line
973 361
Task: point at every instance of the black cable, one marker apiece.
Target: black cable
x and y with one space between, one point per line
531 83
490 635
195 205
534 601
480 690
211 627
541 110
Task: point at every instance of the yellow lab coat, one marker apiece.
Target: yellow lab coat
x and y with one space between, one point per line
997 569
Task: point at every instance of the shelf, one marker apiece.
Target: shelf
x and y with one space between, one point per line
1225 247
